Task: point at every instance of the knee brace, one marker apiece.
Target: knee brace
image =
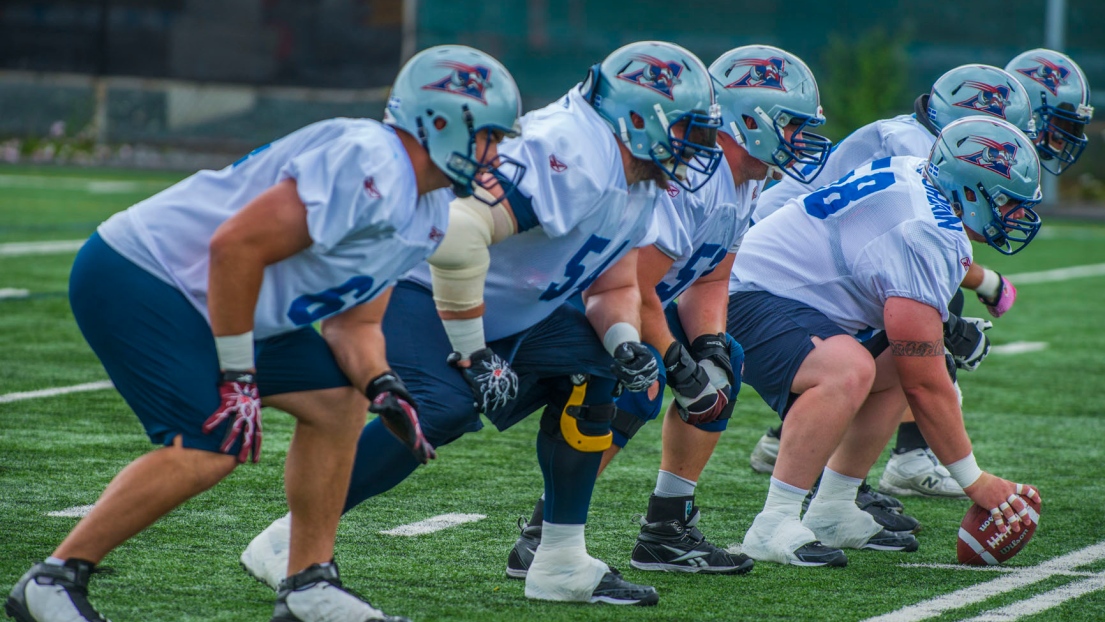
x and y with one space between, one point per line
584 427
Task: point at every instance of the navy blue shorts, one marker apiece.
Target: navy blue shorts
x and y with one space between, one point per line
644 409
543 356
776 333
160 354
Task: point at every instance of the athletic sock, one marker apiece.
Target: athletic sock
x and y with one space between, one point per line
909 438
837 487
569 480
785 498
671 485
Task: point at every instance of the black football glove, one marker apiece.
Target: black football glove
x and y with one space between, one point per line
634 366
696 400
393 403
493 381
714 348
965 338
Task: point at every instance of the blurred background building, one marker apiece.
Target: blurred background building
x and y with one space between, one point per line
186 83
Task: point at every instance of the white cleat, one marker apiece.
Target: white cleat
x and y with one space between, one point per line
266 557
917 472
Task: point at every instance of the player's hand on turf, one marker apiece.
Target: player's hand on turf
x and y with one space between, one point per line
393 403
1006 501
696 399
493 381
1007 295
238 397
634 366
965 338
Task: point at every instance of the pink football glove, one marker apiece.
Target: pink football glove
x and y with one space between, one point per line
1007 295
238 396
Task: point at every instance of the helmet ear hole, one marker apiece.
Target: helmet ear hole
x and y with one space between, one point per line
749 122
637 120
440 123
969 195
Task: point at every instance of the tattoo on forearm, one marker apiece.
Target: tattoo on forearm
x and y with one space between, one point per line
917 348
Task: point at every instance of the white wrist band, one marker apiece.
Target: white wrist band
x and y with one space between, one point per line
235 351
990 285
618 334
965 471
466 336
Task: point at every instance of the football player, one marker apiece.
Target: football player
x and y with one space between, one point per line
201 300
568 232
769 102
969 90
883 248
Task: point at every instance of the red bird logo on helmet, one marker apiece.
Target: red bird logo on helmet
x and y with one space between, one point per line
1047 74
466 80
654 74
990 99
994 156
765 73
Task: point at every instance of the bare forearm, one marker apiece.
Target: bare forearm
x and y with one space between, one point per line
703 308
974 276
234 283
359 350
654 324
936 409
611 306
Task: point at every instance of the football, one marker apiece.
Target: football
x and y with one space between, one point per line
980 544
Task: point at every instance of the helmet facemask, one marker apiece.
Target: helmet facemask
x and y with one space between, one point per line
1007 233
1061 137
470 170
695 150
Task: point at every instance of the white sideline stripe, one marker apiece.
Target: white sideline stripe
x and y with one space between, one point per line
432 524
94 186
997 569
1006 583
1019 347
77 511
11 292
1042 602
18 249
1059 274
76 388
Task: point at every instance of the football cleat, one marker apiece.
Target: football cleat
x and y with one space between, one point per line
266 557
839 523
917 472
521 556
889 517
51 593
675 544
783 539
869 496
316 595
892 541
765 452
615 590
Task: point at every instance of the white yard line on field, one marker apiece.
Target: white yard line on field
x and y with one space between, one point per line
77 511
1019 347
11 292
432 524
1042 602
80 184
19 249
76 388
1010 582
1059 274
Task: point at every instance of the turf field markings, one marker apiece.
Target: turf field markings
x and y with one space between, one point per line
77 511
432 524
19 249
92 186
1019 347
1059 274
11 292
1008 582
76 388
1043 602
997 569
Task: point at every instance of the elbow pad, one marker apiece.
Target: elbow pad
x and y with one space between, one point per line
459 265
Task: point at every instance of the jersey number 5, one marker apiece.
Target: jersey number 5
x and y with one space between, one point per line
576 268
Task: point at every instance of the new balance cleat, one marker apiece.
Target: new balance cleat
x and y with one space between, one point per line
615 590
765 452
51 593
917 472
316 595
521 556
892 541
266 557
676 545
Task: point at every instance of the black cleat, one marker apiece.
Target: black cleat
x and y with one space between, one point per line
867 494
676 545
615 590
521 556
817 554
60 592
892 541
889 517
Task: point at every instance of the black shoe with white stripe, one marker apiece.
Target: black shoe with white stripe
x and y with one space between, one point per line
615 590
674 544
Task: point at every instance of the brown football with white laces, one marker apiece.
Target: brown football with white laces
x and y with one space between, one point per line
980 543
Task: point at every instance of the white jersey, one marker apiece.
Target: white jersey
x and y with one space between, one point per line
903 135
882 231
697 229
582 220
365 218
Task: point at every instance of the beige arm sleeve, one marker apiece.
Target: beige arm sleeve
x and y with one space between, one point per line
459 266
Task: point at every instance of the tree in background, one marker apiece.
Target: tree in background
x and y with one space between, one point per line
863 80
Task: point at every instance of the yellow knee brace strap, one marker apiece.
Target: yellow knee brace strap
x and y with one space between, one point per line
569 425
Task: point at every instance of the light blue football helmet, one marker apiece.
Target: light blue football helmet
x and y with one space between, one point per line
761 90
444 96
664 85
1060 97
980 90
981 164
